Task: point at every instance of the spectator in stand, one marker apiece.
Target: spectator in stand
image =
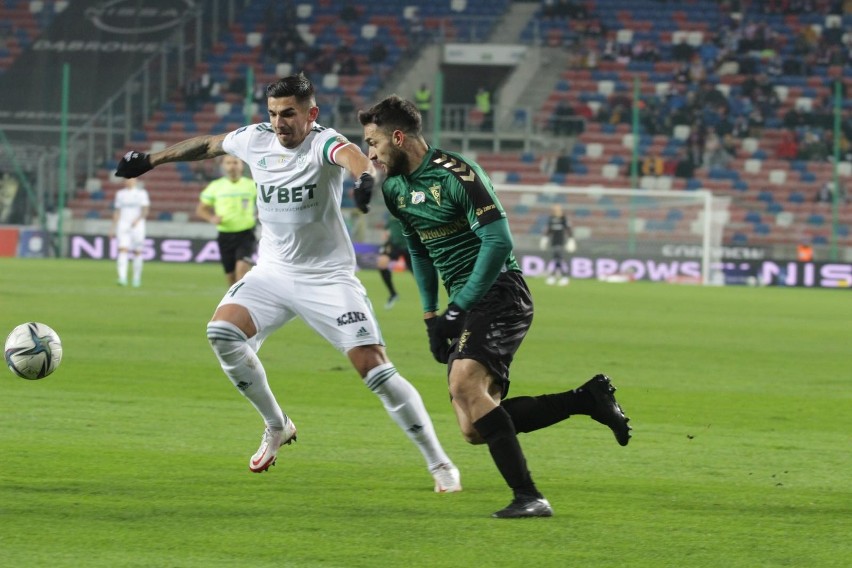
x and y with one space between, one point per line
197 91
788 147
347 64
716 157
423 100
825 194
377 58
652 165
804 252
685 167
486 107
565 120
349 13
813 148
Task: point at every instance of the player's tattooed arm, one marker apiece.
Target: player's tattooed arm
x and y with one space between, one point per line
191 150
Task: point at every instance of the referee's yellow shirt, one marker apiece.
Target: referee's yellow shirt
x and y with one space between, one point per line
233 202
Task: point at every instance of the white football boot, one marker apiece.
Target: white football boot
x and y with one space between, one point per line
447 478
266 454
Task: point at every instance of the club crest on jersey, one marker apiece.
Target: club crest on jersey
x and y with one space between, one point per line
435 190
417 197
301 159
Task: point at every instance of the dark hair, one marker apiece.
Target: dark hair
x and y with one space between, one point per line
297 86
393 113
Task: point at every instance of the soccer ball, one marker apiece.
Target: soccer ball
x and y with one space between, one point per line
33 350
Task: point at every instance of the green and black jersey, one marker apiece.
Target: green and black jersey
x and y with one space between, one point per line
453 222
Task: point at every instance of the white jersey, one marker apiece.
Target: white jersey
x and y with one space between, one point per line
298 198
129 203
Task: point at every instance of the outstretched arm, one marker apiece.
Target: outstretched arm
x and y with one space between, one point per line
134 164
191 150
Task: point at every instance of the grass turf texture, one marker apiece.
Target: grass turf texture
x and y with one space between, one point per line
134 453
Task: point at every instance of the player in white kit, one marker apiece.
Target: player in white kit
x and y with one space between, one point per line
130 209
305 268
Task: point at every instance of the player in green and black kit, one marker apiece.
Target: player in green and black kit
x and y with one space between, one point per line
393 248
456 228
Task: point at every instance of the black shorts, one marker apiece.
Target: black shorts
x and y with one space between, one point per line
497 325
394 252
234 247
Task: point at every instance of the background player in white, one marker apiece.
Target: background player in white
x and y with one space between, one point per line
306 265
130 209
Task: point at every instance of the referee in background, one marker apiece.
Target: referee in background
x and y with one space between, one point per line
229 203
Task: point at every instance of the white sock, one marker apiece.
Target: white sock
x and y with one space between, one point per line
242 366
405 407
122 266
137 267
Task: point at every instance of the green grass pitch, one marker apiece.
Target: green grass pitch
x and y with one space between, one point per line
134 453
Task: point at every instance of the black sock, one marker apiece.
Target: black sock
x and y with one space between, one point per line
499 433
387 279
530 413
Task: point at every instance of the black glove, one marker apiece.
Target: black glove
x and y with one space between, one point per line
439 346
363 191
133 164
451 322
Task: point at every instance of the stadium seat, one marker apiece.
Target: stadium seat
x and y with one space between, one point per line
682 132
254 39
93 184
752 166
594 150
778 177
609 171
749 146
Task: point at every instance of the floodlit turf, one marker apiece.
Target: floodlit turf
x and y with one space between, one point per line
135 452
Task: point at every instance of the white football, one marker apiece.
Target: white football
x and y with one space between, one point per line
33 350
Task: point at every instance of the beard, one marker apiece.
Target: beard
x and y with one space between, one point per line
397 163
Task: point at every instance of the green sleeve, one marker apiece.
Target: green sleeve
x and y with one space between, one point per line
424 273
496 246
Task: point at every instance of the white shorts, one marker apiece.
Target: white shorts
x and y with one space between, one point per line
131 238
335 305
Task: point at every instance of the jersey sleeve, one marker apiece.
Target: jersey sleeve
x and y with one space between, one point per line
208 194
146 199
330 142
237 142
472 190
